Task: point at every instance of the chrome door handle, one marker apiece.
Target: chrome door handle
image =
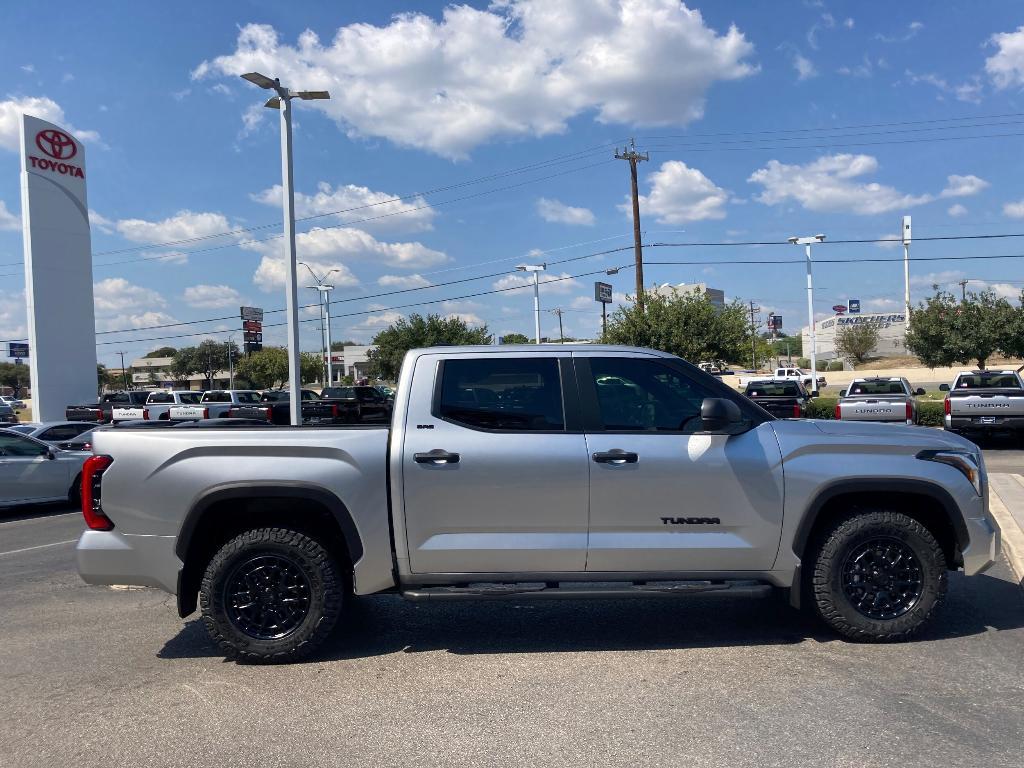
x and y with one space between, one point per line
615 456
436 456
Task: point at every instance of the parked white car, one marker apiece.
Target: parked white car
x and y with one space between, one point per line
33 472
786 374
157 406
213 404
14 402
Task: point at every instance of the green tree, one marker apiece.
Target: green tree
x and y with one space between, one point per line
208 358
311 367
105 379
337 346
788 345
686 325
265 369
855 342
15 376
944 331
162 352
516 338
417 331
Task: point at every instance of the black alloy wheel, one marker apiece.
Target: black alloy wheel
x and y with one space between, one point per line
882 578
267 597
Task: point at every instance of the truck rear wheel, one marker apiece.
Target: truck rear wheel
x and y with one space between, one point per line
878 576
271 595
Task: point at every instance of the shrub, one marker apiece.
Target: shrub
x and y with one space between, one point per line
803 362
835 365
822 408
930 413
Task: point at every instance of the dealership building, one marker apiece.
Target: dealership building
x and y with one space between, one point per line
892 332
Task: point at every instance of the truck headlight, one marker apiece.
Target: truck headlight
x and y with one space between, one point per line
966 462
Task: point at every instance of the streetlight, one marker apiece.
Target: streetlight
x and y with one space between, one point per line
325 325
807 242
283 102
536 269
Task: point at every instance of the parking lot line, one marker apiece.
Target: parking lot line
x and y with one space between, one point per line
40 546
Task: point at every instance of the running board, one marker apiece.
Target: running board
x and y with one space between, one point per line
582 590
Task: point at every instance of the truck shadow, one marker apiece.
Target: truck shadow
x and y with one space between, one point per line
388 624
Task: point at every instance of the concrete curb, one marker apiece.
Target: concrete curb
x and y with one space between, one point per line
1012 535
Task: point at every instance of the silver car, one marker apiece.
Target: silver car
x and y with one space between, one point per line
7 414
14 402
33 472
53 432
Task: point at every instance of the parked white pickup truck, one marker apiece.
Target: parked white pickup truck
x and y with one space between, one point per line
786 374
536 472
157 406
985 402
213 404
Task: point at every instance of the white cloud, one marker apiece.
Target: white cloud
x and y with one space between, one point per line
466 311
252 117
350 203
102 223
889 241
968 91
936 278
184 225
680 194
1006 66
558 212
211 296
912 29
134 320
324 249
549 283
865 69
8 220
403 281
882 304
963 186
115 294
377 322
848 23
518 68
827 22
13 318
28 68
828 184
38 106
804 67
957 210
171 257
1014 210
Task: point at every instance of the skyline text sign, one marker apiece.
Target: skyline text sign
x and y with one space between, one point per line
58 268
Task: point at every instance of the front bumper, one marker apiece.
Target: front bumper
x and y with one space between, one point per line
112 557
985 542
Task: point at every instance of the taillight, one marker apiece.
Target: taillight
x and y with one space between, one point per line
92 509
946 407
270 414
145 414
334 411
206 413
839 411
910 411
796 410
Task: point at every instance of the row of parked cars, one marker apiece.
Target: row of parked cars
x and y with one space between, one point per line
978 402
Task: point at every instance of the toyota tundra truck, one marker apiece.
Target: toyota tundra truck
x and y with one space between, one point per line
531 473
214 404
985 403
102 411
887 400
156 407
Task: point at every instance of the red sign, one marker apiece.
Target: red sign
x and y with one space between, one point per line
839 308
56 144
252 325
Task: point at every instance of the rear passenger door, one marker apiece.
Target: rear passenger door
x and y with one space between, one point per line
494 464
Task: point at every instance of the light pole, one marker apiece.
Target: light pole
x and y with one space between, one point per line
536 269
324 290
283 102
807 242
231 363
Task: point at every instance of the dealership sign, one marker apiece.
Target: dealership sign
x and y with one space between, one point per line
55 223
603 293
854 306
878 321
17 350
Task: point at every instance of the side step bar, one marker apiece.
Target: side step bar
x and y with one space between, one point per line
581 590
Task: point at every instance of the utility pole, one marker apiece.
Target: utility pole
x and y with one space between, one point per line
753 336
124 372
963 290
231 365
635 157
559 312
906 269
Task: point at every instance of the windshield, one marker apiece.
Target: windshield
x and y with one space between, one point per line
988 380
23 428
774 389
877 388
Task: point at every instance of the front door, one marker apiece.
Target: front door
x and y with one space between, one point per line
495 471
27 473
663 498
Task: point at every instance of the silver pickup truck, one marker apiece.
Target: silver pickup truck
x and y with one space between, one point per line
536 472
889 400
985 402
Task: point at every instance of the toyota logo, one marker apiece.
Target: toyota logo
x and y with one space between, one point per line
56 144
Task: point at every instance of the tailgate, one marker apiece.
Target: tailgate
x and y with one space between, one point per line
873 409
264 412
84 413
997 404
128 413
187 412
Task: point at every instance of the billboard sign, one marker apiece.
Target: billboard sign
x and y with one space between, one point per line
251 336
854 306
56 235
774 322
839 308
603 293
17 350
253 314
252 325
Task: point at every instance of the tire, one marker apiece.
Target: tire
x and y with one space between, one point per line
271 595
853 577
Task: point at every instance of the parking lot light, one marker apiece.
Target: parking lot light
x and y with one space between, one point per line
807 242
536 269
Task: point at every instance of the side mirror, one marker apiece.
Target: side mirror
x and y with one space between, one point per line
814 393
919 391
51 455
943 387
717 414
842 393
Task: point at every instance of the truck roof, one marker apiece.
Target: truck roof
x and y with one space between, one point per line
536 349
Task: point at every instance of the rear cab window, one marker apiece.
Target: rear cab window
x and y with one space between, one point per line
877 388
988 380
501 394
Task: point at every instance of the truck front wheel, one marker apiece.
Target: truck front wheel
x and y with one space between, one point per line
878 576
271 595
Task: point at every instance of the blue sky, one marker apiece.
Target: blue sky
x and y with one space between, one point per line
428 96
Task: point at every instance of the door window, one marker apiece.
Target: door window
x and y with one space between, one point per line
63 432
16 445
636 395
508 394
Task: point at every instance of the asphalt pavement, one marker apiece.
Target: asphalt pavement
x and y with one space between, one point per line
95 676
